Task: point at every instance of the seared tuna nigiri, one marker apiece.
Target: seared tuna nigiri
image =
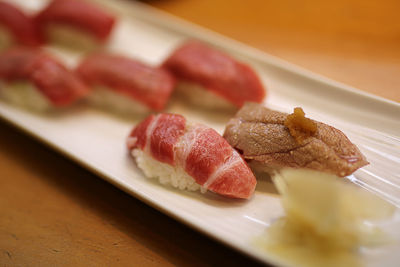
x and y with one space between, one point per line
271 140
189 156
32 78
213 79
16 27
76 23
126 84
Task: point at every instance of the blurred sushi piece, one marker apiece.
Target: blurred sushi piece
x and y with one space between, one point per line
125 85
33 79
212 79
16 27
75 24
189 156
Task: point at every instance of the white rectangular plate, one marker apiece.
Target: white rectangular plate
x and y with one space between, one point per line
96 139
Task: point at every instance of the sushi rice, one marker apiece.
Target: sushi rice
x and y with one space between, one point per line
71 37
165 173
118 103
6 39
199 96
24 94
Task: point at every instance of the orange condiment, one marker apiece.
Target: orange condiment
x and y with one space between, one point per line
299 126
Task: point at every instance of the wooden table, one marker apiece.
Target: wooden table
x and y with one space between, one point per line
53 212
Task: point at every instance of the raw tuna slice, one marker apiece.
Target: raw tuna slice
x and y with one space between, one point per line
189 156
25 69
130 79
19 26
76 15
197 65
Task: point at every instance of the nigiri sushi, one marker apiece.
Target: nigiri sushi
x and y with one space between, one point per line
212 79
75 23
126 85
16 27
272 140
31 78
189 156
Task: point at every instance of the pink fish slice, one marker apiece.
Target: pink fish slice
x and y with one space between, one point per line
193 156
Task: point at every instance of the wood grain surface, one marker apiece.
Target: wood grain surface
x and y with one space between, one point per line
54 213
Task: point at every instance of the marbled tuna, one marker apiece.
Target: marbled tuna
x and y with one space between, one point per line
191 150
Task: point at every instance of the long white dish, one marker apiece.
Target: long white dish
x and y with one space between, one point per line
96 139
